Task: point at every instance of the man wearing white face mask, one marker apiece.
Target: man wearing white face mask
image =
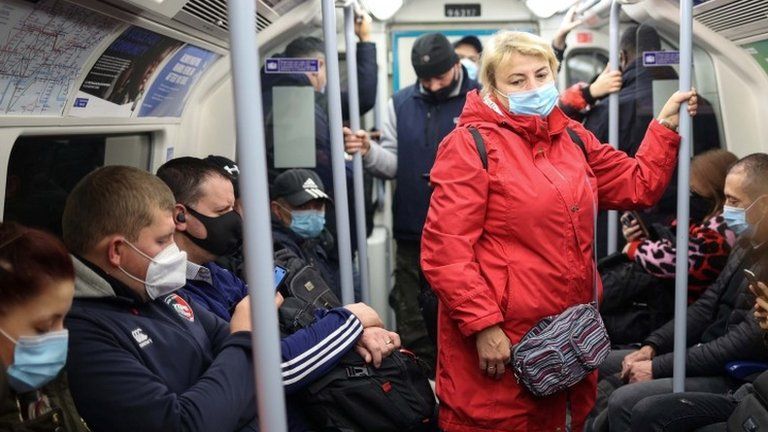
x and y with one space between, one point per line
469 49
141 356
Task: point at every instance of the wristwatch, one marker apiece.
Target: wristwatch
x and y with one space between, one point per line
667 125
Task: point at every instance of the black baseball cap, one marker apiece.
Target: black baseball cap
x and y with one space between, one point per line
230 167
298 186
472 41
432 55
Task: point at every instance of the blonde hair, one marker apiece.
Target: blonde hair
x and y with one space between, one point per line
506 43
112 200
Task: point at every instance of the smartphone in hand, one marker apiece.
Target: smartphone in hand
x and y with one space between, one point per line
751 277
280 273
627 219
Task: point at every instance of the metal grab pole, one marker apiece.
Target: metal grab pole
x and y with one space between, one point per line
257 231
357 161
613 114
335 121
683 193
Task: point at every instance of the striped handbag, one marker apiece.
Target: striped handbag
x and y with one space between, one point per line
561 350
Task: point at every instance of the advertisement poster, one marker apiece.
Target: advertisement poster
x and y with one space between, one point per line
118 80
168 93
31 35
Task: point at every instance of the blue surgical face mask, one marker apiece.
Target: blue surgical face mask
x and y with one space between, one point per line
36 359
736 219
539 101
307 223
471 68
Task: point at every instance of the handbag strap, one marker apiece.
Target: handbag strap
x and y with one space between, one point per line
578 141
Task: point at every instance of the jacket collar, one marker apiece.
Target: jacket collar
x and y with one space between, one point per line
487 109
93 282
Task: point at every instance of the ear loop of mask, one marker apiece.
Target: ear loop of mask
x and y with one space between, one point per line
8 336
757 224
140 253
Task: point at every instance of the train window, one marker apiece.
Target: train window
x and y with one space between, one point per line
583 65
42 170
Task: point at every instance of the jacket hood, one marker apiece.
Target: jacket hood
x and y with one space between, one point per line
88 283
479 110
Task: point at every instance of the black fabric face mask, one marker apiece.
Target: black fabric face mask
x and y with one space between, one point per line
225 233
443 94
700 206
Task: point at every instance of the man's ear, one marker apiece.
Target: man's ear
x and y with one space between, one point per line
279 212
180 217
116 248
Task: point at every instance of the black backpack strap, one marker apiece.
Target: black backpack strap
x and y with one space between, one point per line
579 142
480 146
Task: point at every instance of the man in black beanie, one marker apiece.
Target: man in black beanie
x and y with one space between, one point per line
419 117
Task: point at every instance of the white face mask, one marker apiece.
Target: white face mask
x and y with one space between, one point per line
167 271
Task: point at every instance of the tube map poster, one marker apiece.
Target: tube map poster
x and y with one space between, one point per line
44 47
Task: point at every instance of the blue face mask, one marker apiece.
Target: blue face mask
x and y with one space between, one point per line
736 219
539 101
307 223
471 68
37 359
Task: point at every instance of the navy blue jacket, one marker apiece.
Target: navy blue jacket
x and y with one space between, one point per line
308 353
165 365
170 365
422 123
222 296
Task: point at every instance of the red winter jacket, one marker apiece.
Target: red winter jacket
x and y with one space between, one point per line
513 244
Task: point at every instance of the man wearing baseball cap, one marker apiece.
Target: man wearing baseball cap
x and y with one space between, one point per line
419 116
469 49
298 222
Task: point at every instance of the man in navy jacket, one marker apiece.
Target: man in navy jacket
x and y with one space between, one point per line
141 356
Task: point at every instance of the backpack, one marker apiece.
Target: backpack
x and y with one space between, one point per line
751 414
304 282
356 397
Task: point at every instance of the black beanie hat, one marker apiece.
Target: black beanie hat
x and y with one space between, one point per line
432 55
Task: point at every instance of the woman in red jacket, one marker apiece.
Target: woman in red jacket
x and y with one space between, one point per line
507 246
